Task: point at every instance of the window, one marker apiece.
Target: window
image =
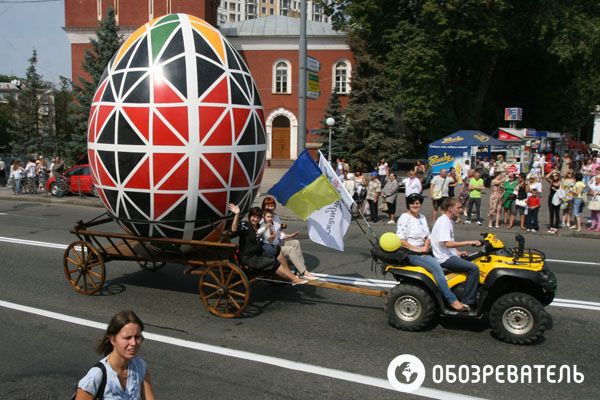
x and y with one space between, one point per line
282 77
341 77
264 10
271 11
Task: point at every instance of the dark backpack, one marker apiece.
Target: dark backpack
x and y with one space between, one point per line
100 393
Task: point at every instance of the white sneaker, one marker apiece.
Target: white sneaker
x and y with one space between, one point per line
528 230
479 223
391 222
468 222
533 230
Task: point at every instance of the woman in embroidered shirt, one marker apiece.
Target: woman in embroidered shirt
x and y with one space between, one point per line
414 234
127 375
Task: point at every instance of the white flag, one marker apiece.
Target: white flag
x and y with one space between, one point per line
328 225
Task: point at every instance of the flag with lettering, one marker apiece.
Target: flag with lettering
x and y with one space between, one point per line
328 225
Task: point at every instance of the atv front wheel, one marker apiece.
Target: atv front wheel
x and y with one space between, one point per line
519 318
410 308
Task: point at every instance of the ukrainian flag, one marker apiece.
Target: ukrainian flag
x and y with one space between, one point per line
304 189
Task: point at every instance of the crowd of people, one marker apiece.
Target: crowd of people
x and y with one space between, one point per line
511 197
29 177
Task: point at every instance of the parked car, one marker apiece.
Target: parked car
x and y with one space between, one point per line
77 180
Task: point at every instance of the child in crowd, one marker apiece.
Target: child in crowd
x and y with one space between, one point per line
533 208
269 241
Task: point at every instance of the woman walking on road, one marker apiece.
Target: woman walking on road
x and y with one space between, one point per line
124 374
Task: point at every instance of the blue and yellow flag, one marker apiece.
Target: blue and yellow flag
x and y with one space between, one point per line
303 188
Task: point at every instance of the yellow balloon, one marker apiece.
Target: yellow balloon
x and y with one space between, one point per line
389 241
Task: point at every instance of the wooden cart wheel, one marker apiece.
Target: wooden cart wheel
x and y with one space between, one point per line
151 265
224 290
84 267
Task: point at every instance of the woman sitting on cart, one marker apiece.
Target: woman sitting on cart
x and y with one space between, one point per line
251 249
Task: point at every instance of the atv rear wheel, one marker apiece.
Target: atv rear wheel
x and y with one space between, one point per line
519 318
410 308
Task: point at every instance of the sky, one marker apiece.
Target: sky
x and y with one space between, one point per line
28 25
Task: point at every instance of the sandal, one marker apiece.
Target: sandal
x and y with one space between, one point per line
302 282
309 276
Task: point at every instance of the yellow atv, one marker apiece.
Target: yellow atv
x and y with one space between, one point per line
514 287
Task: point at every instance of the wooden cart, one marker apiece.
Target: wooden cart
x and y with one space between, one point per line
224 285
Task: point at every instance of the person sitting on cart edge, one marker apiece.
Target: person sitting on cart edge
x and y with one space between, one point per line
414 235
445 249
250 244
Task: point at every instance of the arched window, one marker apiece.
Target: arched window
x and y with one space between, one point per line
341 77
282 77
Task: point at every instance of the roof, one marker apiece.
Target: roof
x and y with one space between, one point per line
276 25
461 139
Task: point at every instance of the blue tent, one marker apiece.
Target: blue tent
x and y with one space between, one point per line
455 148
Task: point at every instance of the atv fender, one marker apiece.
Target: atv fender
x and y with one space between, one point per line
539 284
404 276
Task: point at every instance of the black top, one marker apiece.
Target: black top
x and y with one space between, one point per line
250 241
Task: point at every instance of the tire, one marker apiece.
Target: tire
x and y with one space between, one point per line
519 318
411 308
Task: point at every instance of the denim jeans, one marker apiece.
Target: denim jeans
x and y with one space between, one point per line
18 186
430 264
458 264
477 203
531 219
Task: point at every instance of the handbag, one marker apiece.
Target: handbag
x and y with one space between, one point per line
383 207
594 204
521 203
436 193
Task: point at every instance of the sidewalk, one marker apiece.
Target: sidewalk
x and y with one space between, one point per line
272 176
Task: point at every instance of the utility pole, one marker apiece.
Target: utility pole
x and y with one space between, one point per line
302 80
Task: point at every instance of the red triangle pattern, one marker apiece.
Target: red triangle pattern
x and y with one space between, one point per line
164 94
218 200
140 179
178 180
139 117
103 113
162 135
221 136
103 175
208 116
92 124
261 115
163 163
208 179
100 92
219 94
238 177
164 201
240 116
178 118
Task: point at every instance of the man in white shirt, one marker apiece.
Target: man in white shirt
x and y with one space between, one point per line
412 184
445 249
440 185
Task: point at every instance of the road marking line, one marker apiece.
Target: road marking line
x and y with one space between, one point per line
356 281
574 262
245 355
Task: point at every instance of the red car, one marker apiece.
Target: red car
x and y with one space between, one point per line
77 179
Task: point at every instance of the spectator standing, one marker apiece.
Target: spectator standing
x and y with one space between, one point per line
16 173
419 171
464 172
500 167
519 204
567 201
339 169
594 193
554 204
566 166
412 184
58 168
495 207
349 184
452 186
373 193
361 191
390 196
586 170
31 171
475 188
533 208
463 196
440 190
578 192
382 171
2 173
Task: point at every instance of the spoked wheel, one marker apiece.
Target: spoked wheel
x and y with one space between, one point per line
151 265
84 267
224 290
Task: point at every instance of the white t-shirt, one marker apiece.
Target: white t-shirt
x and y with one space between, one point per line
443 231
382 169
414 230
438 182
30 168
113 390
411 186
537 186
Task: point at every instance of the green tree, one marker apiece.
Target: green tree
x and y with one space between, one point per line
6 124
65 116
339 145
33 117
104 46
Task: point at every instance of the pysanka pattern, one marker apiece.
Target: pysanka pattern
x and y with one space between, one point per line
176 130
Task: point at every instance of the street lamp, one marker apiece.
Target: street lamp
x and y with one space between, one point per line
330 123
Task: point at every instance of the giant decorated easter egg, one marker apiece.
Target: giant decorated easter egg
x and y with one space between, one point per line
176 131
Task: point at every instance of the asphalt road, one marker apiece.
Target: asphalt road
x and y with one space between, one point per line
293 343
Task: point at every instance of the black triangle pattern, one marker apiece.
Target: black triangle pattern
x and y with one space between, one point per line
204 213
127 135
116 82
127 162
125 59
249 135
260 131
204 48
248 160
131 78
239 78
177 214
256 96
108 96
175 72
207 74
141 93
237 96
260 160
174 48
240 197
142 201
241 62
108 159
107 135
140 59
232 61
112 197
